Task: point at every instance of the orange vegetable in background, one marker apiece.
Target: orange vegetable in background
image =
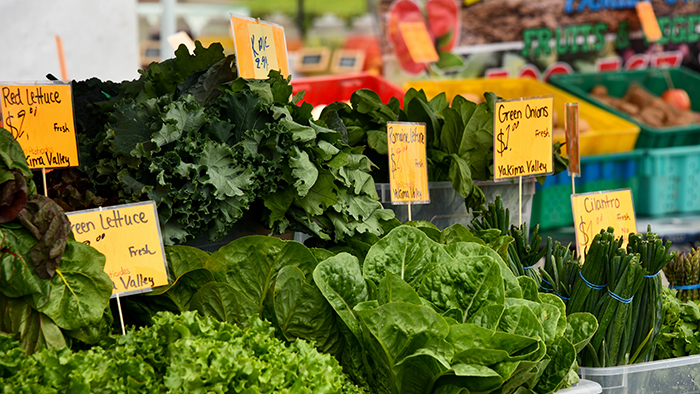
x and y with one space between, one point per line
677 97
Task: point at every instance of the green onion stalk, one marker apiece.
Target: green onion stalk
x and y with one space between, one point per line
648 303
561 270
589 287
523 253
610 346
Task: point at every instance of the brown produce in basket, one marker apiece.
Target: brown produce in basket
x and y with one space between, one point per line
646 107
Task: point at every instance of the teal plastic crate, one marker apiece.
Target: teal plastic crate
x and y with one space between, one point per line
653 80
669 181
551 205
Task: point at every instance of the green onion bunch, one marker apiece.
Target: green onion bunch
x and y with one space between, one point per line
561 268
648 303
609 282
523 252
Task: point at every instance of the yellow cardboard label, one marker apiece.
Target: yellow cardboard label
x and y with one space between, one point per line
420 45
522 137
408 172
647 18
40 118
129 237
598 211
260 47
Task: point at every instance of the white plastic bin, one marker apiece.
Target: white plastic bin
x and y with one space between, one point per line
673 376
447 206
583 387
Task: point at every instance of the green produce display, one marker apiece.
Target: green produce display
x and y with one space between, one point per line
622 289
414 315
648 302
679 335
561 270
183 353
684 271
53 290
211 149
459 135
523 254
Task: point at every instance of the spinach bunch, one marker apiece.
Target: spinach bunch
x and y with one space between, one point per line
409 315
52 289
459 135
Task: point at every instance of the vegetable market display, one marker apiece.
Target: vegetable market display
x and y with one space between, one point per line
413 316
367 305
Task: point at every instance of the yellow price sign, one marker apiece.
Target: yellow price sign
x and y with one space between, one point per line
259 46
40 118
522 137
647 18
408 172
599 210
420 45
129 237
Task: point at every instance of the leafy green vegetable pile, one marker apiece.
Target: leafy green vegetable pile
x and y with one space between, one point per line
209 148
459 136
679 335
411 315
52 289
183 353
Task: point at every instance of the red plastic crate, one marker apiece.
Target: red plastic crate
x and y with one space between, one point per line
329 89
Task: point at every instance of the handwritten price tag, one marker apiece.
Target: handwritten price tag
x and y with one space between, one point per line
260 47
420 45
599 210
647 18
408 172
129 237
40 117
522 137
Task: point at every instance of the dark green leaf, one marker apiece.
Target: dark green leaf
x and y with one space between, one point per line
302 312
466 284
405 251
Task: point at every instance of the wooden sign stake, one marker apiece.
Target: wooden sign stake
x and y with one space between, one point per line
121 316
61 58
572 142
520 201
46 187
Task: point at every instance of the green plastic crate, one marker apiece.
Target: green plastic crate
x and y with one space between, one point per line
653 80
669 181
551 205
